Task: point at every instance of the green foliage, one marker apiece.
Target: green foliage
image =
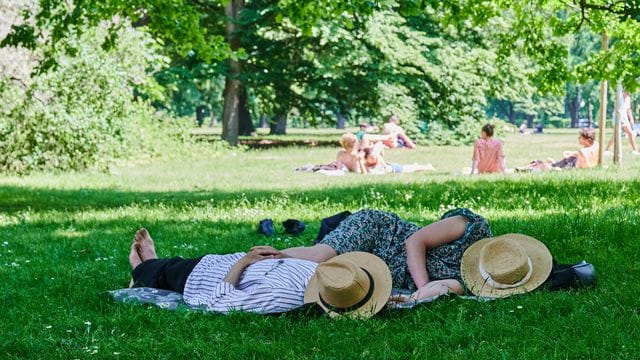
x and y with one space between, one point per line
186 85
82 114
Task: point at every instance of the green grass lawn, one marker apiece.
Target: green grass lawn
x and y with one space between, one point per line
64 241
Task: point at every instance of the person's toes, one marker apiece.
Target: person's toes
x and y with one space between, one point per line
139 236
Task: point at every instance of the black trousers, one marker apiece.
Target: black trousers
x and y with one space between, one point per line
169 274
566 163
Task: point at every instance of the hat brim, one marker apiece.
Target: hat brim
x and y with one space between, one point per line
541 261
381 291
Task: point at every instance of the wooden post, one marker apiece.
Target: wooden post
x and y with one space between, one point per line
617 115
603 106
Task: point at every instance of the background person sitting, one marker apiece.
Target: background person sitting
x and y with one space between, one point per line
399 138
367 137
375 163
538 128
349 155
488 156
584 158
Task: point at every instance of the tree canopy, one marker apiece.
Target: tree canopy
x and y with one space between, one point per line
438 64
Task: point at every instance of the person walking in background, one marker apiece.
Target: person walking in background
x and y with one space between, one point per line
626 123
488 156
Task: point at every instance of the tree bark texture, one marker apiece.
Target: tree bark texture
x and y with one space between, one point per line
341 120
279 127
245 126
233 86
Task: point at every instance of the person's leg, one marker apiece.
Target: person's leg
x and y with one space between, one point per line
407 142
632 139
609 144
410 168
148 270
169 274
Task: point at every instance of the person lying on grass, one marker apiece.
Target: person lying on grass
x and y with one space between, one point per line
584 158
354 284
425 259
257 281
375 163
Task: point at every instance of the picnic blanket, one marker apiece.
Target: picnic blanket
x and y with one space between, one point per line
330 169
171 300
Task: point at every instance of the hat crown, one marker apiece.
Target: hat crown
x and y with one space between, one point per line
342 284
505 261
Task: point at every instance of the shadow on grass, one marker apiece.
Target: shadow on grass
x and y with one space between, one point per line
536 194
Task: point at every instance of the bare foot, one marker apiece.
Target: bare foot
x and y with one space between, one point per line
144 245
134 257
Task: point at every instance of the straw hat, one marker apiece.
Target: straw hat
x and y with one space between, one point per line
505 265
356 284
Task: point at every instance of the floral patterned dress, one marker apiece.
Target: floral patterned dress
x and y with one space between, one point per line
383 234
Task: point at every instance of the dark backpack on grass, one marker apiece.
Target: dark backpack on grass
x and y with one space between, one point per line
567 276
329 224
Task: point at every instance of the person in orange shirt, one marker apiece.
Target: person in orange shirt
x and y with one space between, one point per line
488 156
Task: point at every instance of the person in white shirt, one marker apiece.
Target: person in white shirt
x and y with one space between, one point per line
626 123
259 281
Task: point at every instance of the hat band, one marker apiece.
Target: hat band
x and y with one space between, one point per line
360 303
498 285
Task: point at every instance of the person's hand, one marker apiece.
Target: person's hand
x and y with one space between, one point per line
279 255
400 299
264 247
258 253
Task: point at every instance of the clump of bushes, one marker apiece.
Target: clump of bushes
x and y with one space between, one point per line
83 114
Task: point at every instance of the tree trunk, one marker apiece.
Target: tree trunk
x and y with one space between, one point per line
246 125
230 116
529 120
263 121
511 113
574 110
590 115
232 86
279 127
341 120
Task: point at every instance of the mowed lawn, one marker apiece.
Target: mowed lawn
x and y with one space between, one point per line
64 241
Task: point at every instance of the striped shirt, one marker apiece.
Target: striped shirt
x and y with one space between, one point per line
267 286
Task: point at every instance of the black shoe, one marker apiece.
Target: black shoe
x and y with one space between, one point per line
293 227
266 227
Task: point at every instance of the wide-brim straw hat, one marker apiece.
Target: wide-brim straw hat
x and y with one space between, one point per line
505 265
355 284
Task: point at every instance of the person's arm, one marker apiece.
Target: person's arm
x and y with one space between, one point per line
317 253
501 163
339 161
361 167
432 289
263 296
475 160
254 255
429 237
